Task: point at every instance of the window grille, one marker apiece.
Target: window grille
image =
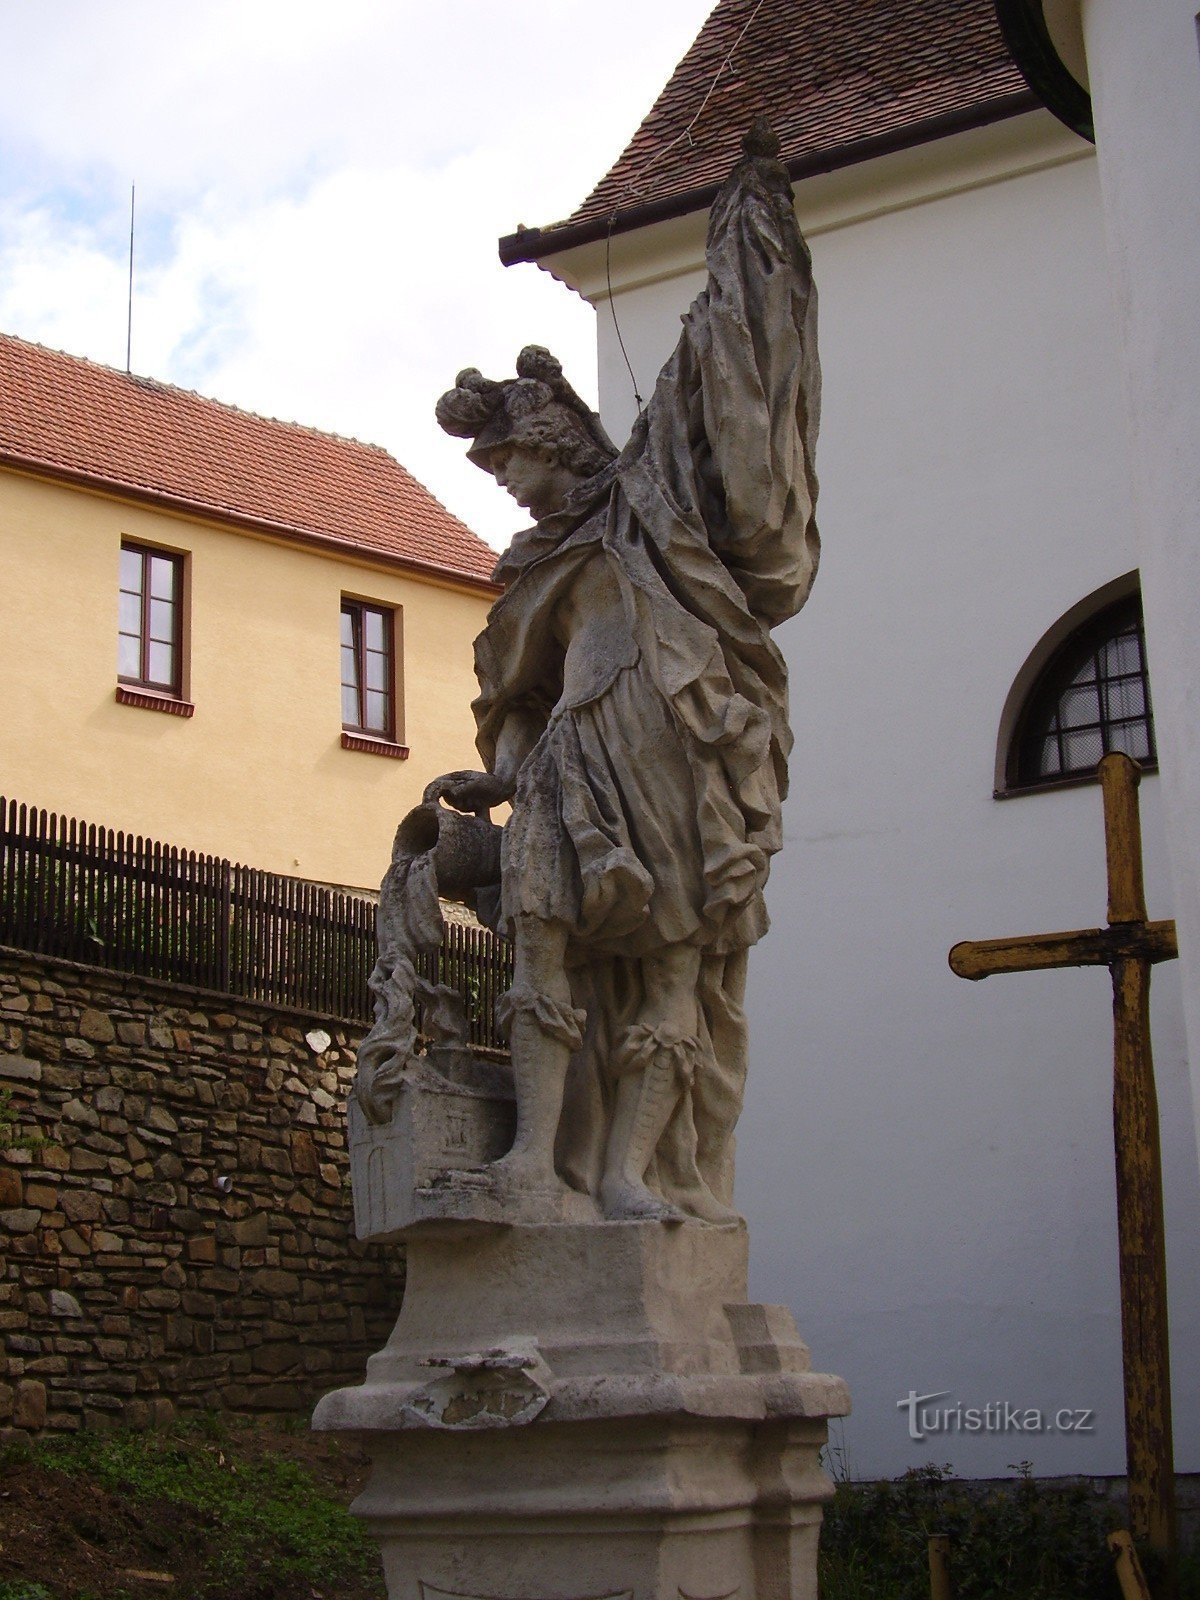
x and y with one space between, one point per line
1092 696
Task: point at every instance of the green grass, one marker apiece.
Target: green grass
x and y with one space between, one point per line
263 1516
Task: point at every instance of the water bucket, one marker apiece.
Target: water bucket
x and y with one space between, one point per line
466 850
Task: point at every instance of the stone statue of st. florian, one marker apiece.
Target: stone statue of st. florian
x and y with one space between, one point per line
577 1398
633 709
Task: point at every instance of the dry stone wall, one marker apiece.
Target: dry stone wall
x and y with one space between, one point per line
175 1222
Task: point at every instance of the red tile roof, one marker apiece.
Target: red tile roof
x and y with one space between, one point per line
72 418
841 80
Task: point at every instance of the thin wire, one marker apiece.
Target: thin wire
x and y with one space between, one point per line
687 132
129 313
612 306
630 189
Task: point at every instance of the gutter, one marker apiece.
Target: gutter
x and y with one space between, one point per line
531 244
326 542
1023 24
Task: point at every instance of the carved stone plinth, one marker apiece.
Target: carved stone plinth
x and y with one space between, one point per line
432 1161
439 1129
590 1410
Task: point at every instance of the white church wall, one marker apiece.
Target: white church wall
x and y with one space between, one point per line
926 1164
1144 70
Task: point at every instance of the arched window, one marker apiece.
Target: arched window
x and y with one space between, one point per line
1084 692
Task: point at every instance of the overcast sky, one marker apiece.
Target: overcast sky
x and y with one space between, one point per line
320 189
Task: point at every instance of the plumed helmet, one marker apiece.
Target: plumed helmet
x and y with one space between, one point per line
537 409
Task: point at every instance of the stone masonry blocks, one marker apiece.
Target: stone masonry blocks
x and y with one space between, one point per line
173 1195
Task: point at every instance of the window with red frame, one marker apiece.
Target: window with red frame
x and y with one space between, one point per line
368 670
150 640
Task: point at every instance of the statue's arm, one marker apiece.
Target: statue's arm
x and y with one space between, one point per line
515 739
509 743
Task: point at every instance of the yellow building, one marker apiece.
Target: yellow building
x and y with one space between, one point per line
234 634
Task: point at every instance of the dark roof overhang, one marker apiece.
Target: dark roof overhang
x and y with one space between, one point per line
532 244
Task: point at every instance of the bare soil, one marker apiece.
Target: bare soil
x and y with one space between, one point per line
79 1542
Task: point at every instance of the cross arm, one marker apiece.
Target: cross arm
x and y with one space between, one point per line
1087 947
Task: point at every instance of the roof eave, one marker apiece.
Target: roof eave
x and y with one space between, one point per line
263 525
533 244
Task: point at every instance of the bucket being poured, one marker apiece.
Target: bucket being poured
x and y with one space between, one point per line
465 849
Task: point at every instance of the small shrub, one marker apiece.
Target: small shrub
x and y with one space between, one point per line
1027 1540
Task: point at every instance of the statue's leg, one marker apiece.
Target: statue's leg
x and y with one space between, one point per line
697 1171
719 1092
544 1029
656 1059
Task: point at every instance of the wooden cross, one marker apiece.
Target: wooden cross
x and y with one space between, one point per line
1128 947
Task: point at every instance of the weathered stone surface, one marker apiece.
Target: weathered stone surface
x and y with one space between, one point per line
114 1215
276 1358
97 1026
19 1069
631 807
81 1205
304 1154
600 1429
253 1230
576 1293
20 1220
276 1283
29 1403
77 1111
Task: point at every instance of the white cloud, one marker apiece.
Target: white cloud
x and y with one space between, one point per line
320 191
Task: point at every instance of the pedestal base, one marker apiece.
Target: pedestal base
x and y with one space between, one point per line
652 1509
575 1412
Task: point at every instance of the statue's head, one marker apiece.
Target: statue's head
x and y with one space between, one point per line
533 433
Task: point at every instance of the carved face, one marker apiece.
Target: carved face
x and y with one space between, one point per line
541 486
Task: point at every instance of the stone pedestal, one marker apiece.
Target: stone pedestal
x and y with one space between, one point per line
587 1410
